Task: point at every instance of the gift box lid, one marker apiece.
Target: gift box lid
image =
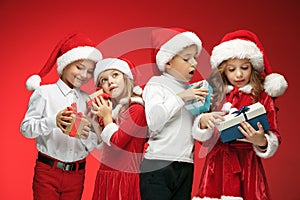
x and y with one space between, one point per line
237 117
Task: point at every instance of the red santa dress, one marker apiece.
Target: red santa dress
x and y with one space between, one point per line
124 140
234 170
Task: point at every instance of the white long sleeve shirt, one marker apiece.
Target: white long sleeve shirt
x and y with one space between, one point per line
170 124
40 122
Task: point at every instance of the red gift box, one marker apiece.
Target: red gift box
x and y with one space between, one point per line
92 97
77 123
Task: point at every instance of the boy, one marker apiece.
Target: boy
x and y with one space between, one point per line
167 170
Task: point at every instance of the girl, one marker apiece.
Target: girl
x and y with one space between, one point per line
124 131
234 170
60 166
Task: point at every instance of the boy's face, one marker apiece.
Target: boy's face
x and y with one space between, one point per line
182 66
78 73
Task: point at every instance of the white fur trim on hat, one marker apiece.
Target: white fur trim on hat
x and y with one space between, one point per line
112 63
78 53
33 82
275 85
237 48
176 44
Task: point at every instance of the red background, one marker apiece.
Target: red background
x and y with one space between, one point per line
30 30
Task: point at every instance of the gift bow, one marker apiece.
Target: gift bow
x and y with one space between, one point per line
78 118
243 110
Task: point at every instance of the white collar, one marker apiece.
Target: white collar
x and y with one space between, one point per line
124 101
246 89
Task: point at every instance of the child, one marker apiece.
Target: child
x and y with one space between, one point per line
60 166
167 170
234 170
124 131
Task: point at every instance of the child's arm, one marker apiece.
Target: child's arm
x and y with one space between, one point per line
204 124
160 105
35 123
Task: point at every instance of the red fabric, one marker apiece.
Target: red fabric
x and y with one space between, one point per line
118 174
234 169
51 183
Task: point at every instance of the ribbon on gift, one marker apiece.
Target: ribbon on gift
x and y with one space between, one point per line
243 110
103 95
78 117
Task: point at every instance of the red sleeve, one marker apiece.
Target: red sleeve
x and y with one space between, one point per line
132 125
271 110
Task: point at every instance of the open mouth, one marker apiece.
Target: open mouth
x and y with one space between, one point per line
112 88
192 72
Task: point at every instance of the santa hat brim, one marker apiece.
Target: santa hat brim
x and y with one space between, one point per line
78 53
112 63
176 44
237 48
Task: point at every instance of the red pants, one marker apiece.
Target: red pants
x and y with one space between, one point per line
50 183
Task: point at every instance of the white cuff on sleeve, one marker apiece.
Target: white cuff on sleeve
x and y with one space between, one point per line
108 131
271 148
201 135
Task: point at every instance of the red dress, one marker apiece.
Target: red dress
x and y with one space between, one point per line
118 174
234 169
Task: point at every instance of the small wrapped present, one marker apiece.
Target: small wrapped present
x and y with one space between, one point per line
92 97
252 114
196 106
77 123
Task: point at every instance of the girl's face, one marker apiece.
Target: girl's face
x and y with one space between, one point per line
113 83
238 71
78 73
182 66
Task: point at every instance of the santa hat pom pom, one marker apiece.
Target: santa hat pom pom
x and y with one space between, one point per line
275 85
33 82
226 107
137 90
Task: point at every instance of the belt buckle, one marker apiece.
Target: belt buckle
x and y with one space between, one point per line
64 166
68 166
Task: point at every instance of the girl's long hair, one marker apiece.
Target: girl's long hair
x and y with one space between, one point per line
219 82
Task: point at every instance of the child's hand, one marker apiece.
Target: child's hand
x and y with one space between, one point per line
210 120
253 136
63 119
194 93
103 109
85 132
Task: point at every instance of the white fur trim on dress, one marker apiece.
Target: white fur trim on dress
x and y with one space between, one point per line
33 82
108 131
275 84
201 135
78 53
271 148
176 44
237 48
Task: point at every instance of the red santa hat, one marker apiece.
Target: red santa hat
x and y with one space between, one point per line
245 44
167 42
72 48
121 64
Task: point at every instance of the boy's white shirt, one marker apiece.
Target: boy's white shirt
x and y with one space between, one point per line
170 124
40 122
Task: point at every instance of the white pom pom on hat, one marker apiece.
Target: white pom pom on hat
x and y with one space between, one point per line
73 47
245 44
167 42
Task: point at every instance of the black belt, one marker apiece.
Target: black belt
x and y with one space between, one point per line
61 165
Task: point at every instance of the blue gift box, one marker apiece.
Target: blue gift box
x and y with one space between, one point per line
196 106
252 114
